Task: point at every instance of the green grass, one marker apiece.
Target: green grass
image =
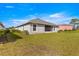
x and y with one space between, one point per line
48 44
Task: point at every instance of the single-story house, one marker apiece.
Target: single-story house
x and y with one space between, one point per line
65 27
38 26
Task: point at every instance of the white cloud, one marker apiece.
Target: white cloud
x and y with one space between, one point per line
9 6
57 15
17 22
58 18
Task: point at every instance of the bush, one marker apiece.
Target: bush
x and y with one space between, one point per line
18 31
1 32
65 30
26 32
68 30
60 30
14 30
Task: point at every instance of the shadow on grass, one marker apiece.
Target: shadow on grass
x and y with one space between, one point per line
9 37
13 37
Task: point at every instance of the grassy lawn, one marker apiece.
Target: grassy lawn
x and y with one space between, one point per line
48 44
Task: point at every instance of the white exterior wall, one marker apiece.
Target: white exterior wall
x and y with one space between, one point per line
27 28
39 29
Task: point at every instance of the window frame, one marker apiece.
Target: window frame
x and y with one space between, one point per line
34 27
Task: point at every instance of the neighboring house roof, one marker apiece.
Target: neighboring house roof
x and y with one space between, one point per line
65 25
2 25
38 21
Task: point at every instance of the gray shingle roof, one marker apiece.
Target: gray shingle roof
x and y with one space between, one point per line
65 25
38 21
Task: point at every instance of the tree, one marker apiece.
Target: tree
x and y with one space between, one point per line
74 20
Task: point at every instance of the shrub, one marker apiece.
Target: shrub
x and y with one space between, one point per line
1 32
14 30
67 30
18 31
26 32
60 30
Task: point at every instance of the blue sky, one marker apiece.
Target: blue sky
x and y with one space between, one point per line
18 13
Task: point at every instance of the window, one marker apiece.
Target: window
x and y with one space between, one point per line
48 28
34 27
